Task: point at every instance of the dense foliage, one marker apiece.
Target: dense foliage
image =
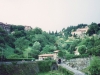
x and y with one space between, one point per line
45 66
95 66
21 43
29 68
93 29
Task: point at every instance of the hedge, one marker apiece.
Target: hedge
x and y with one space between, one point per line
19 59
19 69
45 65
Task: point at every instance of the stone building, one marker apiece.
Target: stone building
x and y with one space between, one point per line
27 28
5 27
53 56
80 31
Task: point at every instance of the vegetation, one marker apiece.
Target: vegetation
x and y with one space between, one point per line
65 71
95 66
45 66
25 44
93 29
21 43
82 49
45 69
19 69
32 68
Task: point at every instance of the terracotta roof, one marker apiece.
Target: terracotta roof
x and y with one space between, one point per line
46 55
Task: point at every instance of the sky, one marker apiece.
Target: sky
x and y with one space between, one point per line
49 15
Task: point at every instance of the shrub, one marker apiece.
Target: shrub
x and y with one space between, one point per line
94 67
19 69
82 49
84 55
69 56
6 69
45 65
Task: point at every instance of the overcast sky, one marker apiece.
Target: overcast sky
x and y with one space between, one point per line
49 14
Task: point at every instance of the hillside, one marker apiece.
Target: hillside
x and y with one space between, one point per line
25 42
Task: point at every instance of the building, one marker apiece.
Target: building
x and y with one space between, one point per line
27 28
44 56
76 51
80 31
53 56
5 27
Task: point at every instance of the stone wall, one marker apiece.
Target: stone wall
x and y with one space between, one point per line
21 68
79 63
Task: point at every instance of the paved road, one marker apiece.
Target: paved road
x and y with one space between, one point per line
76 72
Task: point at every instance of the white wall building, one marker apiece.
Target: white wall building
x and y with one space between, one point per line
53 56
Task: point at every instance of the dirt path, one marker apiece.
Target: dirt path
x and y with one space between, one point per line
76 72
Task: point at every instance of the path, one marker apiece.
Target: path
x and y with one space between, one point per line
76 72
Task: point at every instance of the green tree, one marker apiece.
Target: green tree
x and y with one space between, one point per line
82 49
95 50
20 45
14 27
94 67
48 48
41 39
62 53
18 34
73 45
37 46
35 50
37 30
34 53
93 29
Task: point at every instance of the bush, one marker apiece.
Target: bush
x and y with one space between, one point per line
69 56
82 49
65 71
84 55
94 67
20 59
19 69
72 56
45 66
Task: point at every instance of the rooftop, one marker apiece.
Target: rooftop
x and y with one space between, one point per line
56 51
46 55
